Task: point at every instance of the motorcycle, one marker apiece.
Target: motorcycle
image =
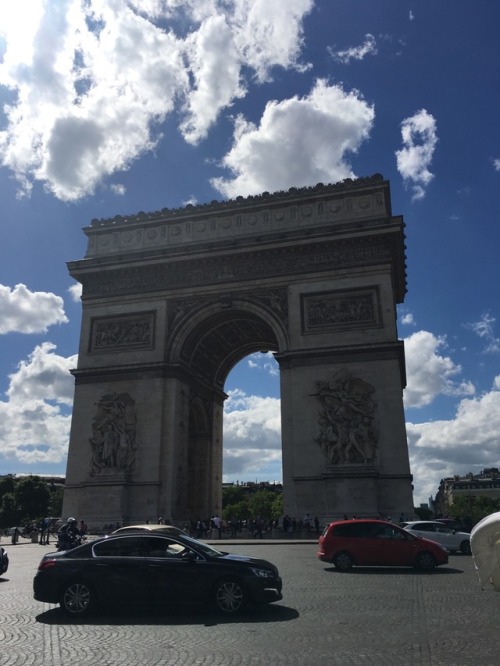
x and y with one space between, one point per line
4 561
68 542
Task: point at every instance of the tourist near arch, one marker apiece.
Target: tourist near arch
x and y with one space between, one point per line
173 299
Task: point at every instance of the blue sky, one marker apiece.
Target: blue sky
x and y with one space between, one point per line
112 107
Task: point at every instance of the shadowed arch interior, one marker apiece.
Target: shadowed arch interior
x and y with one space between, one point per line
214 347
211 349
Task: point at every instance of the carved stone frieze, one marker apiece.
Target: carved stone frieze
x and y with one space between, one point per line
274 299
347 420
213 270
122 332
340 309
113 442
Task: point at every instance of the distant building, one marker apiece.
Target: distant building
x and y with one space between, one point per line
485 484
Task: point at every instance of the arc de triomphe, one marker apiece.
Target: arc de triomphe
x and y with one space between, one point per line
172 300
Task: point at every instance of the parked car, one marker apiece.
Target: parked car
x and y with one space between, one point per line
433 529
149 569
453 524
167 529
362 543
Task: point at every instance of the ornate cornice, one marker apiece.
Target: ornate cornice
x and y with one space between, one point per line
240 202
318 209
242 266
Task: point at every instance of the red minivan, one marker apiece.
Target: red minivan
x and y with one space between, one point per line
367 543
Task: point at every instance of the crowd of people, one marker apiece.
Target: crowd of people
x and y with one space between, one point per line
256 527
214 527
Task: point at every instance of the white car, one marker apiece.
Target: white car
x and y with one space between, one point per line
452 540
154 528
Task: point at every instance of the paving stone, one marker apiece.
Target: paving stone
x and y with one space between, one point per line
370 617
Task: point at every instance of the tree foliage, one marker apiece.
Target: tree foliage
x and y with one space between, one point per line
27 499
32 497
239 511
55 501
8 510
232 495
239 504
7 484
277 507
471 509
423 513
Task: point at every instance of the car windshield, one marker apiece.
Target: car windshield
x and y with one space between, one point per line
203 547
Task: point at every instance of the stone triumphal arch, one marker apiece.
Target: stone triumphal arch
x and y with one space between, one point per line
172 300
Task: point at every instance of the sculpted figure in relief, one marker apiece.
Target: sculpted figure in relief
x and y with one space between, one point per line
113 434
347 420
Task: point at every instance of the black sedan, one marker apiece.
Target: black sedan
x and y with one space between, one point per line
153 569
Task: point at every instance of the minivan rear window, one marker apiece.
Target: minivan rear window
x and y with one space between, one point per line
357 529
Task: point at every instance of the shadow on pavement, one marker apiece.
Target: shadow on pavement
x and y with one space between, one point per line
171 616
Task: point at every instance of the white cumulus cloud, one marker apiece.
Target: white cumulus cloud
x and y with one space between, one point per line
25 311
368 47
419 137
91 82
466 443
429 373
252 436
35 420
485 329
299 141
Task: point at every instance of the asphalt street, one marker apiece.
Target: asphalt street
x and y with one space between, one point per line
383 616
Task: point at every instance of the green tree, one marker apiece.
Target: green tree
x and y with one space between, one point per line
277 508
261 504
7 485
471 509
32 497
238 511
423 513
487 505
9 515
232 495
55 501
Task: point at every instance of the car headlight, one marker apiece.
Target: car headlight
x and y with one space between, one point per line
262 573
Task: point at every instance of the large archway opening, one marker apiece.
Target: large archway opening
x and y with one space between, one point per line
217 341
252 421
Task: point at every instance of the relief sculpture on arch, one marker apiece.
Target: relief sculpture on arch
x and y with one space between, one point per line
347 420
113 441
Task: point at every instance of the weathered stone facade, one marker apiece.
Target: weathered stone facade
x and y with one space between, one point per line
172 300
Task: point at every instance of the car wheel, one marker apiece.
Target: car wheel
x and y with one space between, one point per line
426 562
465 547
229 596
343 561
77 599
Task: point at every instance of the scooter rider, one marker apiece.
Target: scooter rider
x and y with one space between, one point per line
68 534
